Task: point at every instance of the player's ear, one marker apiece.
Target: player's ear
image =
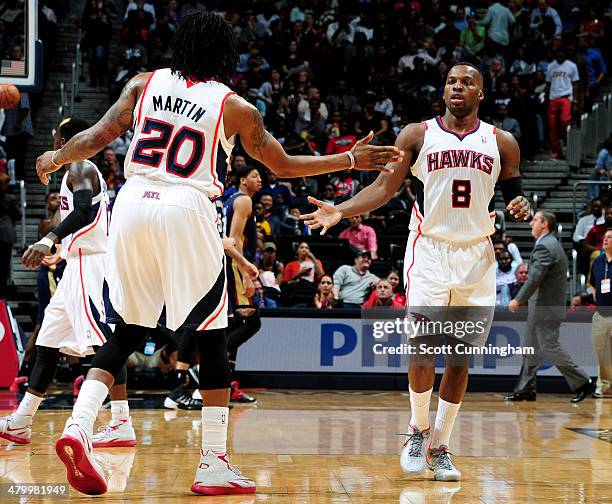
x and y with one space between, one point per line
481 95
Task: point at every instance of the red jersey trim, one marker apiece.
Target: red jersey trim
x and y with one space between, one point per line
214 317
460 136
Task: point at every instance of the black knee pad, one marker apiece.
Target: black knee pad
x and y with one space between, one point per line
121 377
215 372
113 355
44 368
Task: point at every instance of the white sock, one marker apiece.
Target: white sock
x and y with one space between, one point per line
214 428
89 402
28 406
445 420
120 410
419 408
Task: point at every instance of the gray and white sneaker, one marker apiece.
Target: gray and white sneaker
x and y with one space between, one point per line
412 458
439 461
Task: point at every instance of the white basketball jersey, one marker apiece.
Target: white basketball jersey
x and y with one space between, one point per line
93 238
178 133
458 173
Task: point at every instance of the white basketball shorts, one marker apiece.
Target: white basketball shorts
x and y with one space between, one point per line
439 273
165 251
74 320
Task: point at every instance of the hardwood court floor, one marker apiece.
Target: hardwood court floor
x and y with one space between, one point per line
342 447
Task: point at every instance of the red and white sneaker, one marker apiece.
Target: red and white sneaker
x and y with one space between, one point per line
75 450
216 476
20 384
77 384
239 396
118 433
12 429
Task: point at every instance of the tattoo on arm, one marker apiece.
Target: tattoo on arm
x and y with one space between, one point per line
259 136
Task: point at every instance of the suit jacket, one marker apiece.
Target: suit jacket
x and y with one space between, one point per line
546 285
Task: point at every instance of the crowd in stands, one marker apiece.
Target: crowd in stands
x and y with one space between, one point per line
325 73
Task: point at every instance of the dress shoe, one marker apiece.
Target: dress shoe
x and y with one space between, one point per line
587 389
521 396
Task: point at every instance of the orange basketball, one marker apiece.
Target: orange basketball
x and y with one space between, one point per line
9 96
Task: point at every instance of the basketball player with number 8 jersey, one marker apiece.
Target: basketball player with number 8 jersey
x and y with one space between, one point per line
457 160
165 250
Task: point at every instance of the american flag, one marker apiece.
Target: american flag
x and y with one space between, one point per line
10 67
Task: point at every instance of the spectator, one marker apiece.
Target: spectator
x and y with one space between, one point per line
360 236
325 297
306 267
583 301
596 69
279 191
504 276
383 104
473 37
603 167
260 219
521 273
137 5
594 239
344 184
269 262
600 277
97 33
543 11
562 77
352 283
343 142
10 213
586 222
292 225
342 100
382 296
398 290
260 300
499 19
509 124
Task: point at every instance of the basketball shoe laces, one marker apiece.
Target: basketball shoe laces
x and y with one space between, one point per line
415 443
442 458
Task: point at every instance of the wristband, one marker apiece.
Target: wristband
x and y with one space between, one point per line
352 158
53 159
47 242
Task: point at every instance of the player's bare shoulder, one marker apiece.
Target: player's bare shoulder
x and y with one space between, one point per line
411 137
509 154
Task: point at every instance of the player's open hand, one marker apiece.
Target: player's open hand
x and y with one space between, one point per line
33 257
375 157
519 208
45 165
325 216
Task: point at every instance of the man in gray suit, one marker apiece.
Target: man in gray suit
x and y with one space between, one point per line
546 290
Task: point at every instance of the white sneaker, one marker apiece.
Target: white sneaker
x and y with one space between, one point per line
76 452
16 430
118 433
412 458
216 476
439 461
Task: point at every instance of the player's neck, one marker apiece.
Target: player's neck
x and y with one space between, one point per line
608 255
460 124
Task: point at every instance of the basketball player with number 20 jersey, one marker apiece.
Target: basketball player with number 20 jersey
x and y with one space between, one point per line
164 248
457 160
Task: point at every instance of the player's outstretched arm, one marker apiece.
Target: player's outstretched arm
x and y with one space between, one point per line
376 194
510 176
83 180
242 118
86 144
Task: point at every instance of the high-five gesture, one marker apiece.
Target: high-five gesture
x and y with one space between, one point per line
325 216
373 157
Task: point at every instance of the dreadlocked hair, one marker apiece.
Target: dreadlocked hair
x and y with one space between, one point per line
204 47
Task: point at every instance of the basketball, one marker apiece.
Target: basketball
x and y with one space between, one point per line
9 96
